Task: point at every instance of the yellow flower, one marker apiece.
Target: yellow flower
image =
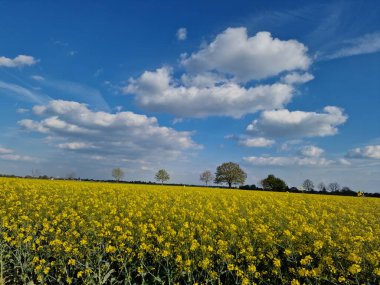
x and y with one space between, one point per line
295 282
354 269
252 268
277 262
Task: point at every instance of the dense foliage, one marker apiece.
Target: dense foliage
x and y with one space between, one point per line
230 173
162 175
274 183
67 232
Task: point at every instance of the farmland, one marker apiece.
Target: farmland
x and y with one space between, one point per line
67 232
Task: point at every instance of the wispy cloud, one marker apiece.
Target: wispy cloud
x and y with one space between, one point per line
23 93
369 43
181 34
9 154
4 150
16 157
78 92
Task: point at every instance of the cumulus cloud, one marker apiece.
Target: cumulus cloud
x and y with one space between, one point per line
369 151
285 123
369 43
220 79
255 142
181 34
248 58
18 61
125 134
158 91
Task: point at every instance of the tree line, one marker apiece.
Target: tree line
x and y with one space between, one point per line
231 174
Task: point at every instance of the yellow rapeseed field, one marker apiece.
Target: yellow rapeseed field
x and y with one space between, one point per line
66 232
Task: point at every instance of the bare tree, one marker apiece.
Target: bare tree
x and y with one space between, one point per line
333 187
322 187
117 173
162 175
308 185
206 176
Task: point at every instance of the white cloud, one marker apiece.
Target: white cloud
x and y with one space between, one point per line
158 91
124 134
248 58
4 150
255 142
297 78
37 77
16 157
369 151
181 34
76 145
217 80
369 43
288 161
311 151
18 61
285 123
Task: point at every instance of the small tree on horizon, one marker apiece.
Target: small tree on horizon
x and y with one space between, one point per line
322 187
308 185
230 173
273 183
162 175
118 174
334 187
206 176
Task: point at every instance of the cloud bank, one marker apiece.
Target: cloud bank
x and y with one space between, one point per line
73 126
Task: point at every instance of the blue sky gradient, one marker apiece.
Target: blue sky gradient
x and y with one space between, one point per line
284 87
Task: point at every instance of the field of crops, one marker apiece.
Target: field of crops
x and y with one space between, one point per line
62 232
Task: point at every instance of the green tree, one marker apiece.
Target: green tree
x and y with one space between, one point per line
162 175
206 176
230 173
273 183
117 173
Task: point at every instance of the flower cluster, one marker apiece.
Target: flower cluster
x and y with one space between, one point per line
67 232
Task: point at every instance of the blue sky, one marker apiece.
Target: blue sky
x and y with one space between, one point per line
284 87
